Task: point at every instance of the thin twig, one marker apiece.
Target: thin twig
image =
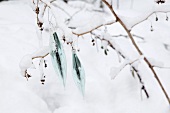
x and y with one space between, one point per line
126 36
40 56
79 34
141 82
45 6
148 17
162 67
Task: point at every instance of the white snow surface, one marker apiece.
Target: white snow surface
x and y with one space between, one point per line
18 38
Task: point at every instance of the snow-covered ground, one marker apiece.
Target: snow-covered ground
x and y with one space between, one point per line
122 95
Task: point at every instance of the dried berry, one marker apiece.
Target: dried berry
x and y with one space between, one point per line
105 51
45 65
167 18
93 40
42 80
151 28
37 10
156 18
160 1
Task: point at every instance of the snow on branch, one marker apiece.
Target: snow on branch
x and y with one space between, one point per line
91 26
134 69
58 22
107 41
116 70
26 61
127 28
155 63
131 22
41 53
126 36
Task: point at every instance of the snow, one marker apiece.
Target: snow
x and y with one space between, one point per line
131 22
19 42
95 22
114 71
104 44
26 62
60 25
84 5
155 62
107 36
16 98
41 52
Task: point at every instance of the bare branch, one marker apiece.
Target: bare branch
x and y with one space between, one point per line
40 56
137 48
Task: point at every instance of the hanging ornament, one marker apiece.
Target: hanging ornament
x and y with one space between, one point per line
78 73
58 57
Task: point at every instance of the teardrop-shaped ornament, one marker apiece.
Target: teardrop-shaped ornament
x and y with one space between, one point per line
78 73
58 57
